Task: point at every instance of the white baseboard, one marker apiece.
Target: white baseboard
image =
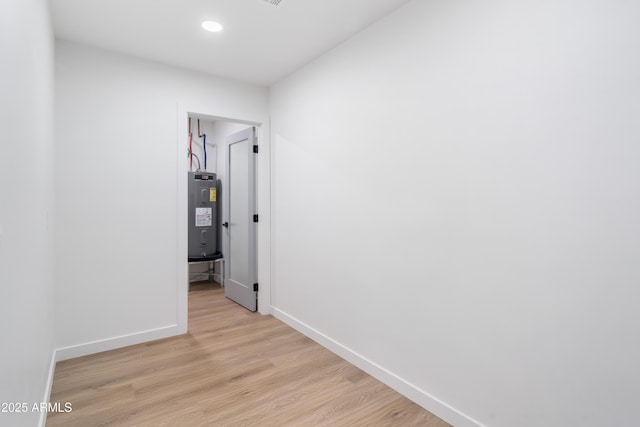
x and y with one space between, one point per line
97 347
47 388
116 342
422 398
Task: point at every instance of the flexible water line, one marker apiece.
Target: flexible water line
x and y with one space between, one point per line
205 150
191 151
195 156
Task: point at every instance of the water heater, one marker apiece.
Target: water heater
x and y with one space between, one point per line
203 216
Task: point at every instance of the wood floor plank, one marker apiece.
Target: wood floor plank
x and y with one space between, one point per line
233 368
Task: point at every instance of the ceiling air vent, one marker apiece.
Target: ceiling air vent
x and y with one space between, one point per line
275 3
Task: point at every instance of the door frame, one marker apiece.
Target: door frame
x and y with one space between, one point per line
263 189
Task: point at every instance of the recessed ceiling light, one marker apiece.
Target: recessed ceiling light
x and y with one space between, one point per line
212 26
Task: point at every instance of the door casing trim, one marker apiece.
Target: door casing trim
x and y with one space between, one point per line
263 206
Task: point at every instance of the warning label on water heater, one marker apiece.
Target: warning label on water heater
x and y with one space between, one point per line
203 217
212 194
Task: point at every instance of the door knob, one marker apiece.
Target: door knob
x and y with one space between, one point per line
225 224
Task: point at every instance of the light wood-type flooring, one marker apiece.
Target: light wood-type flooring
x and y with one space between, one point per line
233 368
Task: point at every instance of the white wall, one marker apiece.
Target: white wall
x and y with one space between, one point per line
26 199
456 202
116 191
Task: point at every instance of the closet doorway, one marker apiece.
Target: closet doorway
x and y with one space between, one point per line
233 152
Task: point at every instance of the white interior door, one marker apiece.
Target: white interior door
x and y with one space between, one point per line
240 254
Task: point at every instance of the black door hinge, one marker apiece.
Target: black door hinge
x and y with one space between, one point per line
255 218
255 149
255 287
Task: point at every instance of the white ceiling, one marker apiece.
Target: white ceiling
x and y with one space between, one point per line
260 43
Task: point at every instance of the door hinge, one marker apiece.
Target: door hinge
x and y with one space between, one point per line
255 148
255 287
255 218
